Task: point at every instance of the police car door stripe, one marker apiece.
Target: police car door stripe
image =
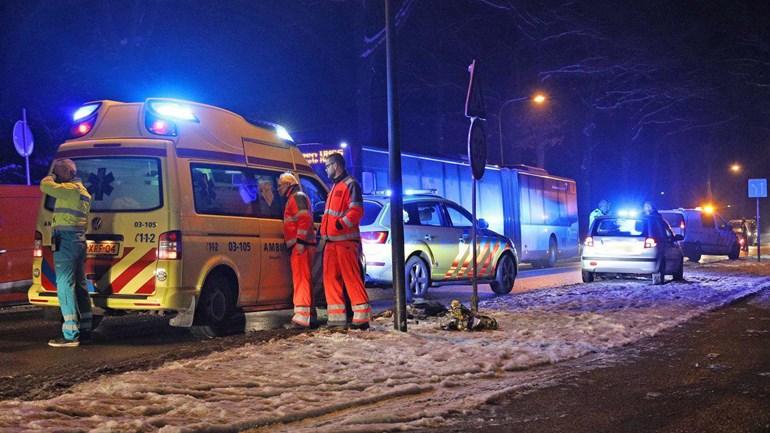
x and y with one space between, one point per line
489 259
456 262
480 259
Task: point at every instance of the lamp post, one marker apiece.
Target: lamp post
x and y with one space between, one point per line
537 99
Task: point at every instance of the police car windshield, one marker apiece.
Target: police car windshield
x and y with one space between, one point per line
120 184
621 227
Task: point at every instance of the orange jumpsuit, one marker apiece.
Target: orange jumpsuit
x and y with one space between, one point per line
298 229
342 252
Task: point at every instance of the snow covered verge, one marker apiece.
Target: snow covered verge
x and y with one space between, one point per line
383 380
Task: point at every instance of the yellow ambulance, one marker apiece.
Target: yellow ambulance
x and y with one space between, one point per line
185 216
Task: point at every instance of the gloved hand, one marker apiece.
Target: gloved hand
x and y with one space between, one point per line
338 224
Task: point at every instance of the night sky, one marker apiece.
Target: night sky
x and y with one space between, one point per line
644 97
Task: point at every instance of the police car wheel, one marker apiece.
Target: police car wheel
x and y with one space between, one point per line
660 276
587 276
214 308
505 275
417 277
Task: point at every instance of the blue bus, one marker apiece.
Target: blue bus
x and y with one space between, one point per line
535 209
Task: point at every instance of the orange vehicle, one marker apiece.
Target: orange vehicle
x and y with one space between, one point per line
18 213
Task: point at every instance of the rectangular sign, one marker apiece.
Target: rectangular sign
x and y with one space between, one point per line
757 188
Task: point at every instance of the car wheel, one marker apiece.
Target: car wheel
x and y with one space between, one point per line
215 308
660 276
588 276
679 274
417 277
505 275
695 254
735 252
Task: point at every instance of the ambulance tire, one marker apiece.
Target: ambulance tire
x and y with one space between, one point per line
215 308
505 275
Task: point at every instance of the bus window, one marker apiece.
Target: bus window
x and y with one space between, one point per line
551 202
536 210
524 199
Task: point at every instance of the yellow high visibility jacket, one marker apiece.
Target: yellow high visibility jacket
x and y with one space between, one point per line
73 202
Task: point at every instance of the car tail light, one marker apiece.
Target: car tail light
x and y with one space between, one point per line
681 225
374 237
741 240
170 246
650 243
589 242
37 247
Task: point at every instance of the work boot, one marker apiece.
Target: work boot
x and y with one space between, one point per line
63 342
360 326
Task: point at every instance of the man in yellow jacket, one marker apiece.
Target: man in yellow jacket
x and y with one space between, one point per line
70 216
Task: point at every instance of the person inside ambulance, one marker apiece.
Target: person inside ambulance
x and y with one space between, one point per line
269 205
70 217
203 189
342 250
299 234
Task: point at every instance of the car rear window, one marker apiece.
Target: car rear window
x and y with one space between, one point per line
673 219
620 227
371 210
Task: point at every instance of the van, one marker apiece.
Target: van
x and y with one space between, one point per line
704 232
185 215
18 212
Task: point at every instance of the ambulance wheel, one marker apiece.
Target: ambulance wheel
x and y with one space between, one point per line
215 308
505 275
417 277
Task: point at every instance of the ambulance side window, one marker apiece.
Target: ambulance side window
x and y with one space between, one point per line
317 194
223 190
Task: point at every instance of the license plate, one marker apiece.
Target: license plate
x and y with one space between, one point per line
102 248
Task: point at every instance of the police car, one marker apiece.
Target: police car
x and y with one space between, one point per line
631 244
437 245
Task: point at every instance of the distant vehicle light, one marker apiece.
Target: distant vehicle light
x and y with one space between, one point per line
589 242
172 110
650 243
85 111
283 134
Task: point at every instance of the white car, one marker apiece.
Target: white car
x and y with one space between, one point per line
632 245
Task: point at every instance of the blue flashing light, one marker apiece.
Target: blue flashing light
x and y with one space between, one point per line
172 110
283 134
628 213
85 111
344 145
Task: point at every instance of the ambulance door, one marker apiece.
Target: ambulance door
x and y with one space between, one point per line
275 285
224 229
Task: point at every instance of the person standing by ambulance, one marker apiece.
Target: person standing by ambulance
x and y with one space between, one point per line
342 250
70 216
299 233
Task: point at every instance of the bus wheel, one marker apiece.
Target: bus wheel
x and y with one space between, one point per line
553 253
216 306
505 275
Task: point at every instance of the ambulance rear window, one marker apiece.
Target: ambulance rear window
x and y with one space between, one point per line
119 184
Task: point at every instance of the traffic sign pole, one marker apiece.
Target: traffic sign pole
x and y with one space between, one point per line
759 234
24 140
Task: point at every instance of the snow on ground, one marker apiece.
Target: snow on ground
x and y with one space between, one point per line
384 380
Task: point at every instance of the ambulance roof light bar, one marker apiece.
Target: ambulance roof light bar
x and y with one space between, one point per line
85 111
172 110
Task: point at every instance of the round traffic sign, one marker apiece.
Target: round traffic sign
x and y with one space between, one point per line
22 138
477 147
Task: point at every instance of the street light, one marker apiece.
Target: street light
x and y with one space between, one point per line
537 99
735 167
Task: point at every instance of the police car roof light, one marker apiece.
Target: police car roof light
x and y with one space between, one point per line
629 213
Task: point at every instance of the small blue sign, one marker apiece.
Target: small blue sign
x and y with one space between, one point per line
757 188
